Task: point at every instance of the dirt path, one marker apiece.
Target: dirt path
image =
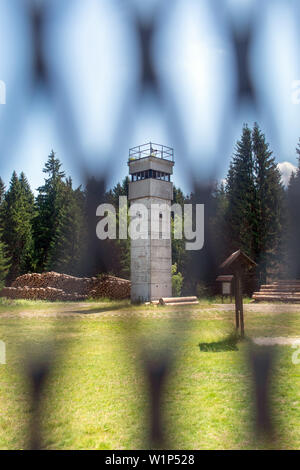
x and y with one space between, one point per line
263 308
277 341
92 310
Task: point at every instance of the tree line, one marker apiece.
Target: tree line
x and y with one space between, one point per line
250 210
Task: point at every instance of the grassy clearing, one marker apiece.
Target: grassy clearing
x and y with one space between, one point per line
96 396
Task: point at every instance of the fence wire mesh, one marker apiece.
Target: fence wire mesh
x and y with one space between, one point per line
44 80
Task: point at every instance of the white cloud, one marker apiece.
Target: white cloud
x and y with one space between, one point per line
286 169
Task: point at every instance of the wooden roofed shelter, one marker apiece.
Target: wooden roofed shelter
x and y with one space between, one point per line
237 264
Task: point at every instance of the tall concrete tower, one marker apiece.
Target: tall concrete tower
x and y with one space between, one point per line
151 167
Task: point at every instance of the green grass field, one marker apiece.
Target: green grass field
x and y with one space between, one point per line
96 396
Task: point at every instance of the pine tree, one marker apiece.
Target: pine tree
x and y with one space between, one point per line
28 203
269 207
49 204
219 224
121 189
201 265
240 189
68 246
16 223
2 191
102 255
120 249
4 264
293 222
179 254
255 197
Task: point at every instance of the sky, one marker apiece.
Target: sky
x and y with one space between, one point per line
93 55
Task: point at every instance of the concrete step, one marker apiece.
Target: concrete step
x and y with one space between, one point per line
286 290
283 298
278 292
283 288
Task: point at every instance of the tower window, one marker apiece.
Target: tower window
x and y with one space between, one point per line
159 175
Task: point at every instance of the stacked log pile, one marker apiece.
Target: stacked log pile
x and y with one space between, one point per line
64 282
39 293
54 286
284 291
110 286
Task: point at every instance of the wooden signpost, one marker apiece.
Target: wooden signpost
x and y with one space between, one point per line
237 264
226 281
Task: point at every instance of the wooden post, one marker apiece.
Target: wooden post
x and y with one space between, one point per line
241 308
236 296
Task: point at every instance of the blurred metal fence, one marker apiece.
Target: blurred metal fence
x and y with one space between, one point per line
37 15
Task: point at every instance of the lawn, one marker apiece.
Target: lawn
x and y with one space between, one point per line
96 396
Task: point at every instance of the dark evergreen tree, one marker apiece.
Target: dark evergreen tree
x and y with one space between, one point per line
68 246
16 223
255 204
120 189
269 208
219 223
29 210
101 254
120 249
4 263
2 191
179 254
49 204
293 223
240 189
201 265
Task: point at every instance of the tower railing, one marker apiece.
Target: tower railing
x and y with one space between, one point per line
151 150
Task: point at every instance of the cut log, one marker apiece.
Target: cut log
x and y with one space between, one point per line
178 300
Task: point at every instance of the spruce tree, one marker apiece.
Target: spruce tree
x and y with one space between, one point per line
269 207
219 223
293 222
49 204
68 246
29 210
179 254
119 248
240 189
120 189
4 264
101 254
2 191
16 223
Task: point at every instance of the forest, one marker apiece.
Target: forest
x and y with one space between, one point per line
251 210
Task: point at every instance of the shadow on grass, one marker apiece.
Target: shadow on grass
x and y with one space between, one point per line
227 344
90 311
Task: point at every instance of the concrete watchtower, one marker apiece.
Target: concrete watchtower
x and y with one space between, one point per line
151 167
